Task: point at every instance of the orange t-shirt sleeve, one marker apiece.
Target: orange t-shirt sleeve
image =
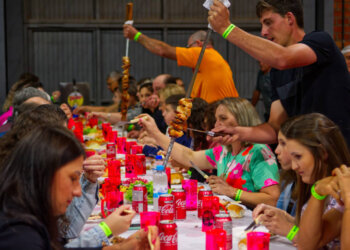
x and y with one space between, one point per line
187 57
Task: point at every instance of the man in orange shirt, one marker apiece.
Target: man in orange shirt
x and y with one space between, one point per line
214 79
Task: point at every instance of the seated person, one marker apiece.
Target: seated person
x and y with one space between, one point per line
246 172
288 178
169 90
342 195
145 92
134 109
46 163
169 115
21 98
316 146
114 80
81 207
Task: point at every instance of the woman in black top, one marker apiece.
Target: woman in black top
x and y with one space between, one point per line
38 181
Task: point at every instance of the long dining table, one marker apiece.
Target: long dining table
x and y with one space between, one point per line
190 235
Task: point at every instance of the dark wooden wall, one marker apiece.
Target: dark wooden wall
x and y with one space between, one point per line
64 39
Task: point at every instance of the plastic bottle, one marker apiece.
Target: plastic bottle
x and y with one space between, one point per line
160 185
159 160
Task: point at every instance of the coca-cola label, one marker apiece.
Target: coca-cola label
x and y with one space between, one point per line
180 203
167 209
168 239
110 150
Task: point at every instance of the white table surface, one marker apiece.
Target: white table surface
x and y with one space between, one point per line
191 237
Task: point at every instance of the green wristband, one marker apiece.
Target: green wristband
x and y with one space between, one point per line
136 37
105 228
228 30
238 195
189 172
316 195
292 232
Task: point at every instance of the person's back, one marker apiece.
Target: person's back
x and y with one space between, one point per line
214 79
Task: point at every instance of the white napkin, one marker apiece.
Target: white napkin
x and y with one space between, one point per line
209 3
131 22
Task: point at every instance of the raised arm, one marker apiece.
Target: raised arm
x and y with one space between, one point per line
264 133
266 51
179 153
152 45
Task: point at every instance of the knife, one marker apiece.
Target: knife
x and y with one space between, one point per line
199 171
253 225
209 133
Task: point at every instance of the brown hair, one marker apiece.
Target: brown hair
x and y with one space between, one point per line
325 142
282 7
47 114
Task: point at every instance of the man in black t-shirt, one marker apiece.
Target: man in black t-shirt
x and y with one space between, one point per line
309 75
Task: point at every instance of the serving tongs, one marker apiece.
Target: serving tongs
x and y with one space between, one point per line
209 133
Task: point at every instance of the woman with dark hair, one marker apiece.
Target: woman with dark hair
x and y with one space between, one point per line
316 146
39 180
196 121
81 207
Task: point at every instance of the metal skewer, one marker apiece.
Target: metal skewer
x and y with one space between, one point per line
168 152
188 93
128 20
190 87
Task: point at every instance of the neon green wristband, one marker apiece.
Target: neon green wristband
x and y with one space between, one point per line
228 30
136 37
292 232
105 228
316 195
189 172
238 195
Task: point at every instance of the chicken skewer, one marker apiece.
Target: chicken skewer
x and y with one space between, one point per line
179 124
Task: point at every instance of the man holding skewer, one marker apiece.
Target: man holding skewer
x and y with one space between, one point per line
309 72
214 79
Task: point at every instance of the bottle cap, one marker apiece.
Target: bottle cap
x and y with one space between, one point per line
159 157
160 168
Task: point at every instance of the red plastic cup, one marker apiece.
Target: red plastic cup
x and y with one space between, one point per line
121 145
129 145
130 171
150 218
215 239
113 200
210 207
93 122
190 187
258 241
114 170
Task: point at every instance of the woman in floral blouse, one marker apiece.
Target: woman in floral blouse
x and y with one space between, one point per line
246 172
